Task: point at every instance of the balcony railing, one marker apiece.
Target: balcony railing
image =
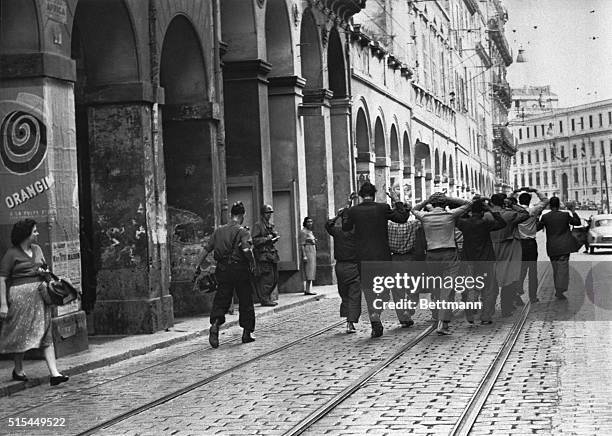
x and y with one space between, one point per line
504 139
503 91
496 30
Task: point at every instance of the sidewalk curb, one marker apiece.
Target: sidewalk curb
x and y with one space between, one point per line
95 364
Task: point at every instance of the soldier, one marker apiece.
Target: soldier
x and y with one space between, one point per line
235 264
264 238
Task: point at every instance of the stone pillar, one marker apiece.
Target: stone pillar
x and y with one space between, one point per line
343 159
192 174
382 177
410 192
319 174
129 211
288 171
397 176
247 132
38 172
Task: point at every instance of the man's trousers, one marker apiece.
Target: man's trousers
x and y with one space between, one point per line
236 278
349 288
560 265
267 281
530 264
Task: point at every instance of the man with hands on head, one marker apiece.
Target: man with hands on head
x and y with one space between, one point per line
442 255
369 222
527 231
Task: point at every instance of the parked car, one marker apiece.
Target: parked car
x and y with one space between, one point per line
600 232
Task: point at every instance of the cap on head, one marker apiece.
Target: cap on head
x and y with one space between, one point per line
237 208
266 208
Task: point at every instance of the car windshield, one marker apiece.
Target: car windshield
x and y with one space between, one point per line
603 223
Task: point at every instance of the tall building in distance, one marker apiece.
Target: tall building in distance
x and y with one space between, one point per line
532 100
567 153
504 146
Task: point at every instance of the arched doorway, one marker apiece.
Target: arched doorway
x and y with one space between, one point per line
396 176
317 131
289 187
188 140
95 57
382 177
408 184
365 163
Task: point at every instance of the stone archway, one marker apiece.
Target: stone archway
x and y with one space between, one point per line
189 135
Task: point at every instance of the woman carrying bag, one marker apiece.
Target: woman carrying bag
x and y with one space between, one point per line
25 318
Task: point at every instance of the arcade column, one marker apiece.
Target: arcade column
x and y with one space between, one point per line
343 159
129 209
247 131
382 177
315 113
38 172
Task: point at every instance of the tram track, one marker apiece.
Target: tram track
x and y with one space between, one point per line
479 398
173 360
202 382
474 406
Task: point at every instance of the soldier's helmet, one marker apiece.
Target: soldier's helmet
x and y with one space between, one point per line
266 208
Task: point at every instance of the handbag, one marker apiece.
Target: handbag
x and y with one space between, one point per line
56 291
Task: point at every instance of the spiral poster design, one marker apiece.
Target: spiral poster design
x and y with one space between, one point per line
24 142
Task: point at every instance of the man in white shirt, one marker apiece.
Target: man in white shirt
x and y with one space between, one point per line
527 235
439 227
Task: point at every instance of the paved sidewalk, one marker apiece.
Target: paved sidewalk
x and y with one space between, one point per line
106 350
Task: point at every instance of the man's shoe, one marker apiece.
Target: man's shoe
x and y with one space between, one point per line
54 381
377 329
442 329
406 324
310 293
246 337
213 335
17 377
269 304
518 301
560 297
350 327
534 300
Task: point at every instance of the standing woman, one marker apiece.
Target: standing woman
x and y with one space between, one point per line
308 248
26 320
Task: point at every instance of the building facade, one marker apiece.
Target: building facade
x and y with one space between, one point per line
143 120
567 153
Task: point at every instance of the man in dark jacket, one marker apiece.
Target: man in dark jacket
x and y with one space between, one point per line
347 271
559 242
480 255
369 222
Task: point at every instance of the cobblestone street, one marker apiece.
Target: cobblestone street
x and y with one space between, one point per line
552 383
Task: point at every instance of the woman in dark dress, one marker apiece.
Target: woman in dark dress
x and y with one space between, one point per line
26 320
